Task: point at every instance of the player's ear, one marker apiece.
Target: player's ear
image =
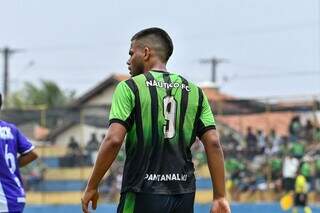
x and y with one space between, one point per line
147 53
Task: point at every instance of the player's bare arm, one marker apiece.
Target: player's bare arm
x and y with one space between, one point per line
106 155
27 158
215 159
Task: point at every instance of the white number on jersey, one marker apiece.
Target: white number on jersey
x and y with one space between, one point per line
10 160
169 111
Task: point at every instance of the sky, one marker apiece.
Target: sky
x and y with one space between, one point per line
271 47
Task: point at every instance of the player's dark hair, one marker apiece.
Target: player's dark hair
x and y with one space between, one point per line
158 37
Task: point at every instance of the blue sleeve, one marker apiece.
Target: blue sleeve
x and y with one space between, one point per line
23 144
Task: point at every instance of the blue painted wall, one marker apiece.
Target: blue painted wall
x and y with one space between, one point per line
106 208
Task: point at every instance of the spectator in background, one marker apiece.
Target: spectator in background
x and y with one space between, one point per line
74 153
308 131
109 184
317 135
276 173
247 181
198 154
234 167
305 170
73 145
301 194
261 184
275 140
269 151
261 141
289 170
295 128
251 141
317 176
92 147
284 146
34 174
230 143
297 149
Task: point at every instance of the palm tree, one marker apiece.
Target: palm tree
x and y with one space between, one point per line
48 94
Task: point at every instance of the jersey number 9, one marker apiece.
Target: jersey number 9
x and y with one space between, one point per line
169 111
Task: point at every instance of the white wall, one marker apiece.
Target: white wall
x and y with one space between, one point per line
104 98
81 133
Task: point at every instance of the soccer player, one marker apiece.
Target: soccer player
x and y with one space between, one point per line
161 113
301 194
15 151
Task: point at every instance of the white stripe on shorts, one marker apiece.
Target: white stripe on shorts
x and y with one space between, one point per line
3 200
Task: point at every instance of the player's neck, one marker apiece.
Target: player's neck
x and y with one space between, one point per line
158 66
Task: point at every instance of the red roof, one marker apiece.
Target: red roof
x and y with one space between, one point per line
215 95
264 121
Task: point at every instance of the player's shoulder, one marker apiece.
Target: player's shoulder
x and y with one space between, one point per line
126 87
191 84
135 81
7 124
138 78
8 127
123 83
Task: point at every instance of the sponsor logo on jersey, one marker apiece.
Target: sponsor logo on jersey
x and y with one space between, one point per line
5 133
166 177
154 83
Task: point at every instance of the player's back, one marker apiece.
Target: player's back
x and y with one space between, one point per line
168 112
12 144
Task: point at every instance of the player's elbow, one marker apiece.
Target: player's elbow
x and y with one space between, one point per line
27 158
213 144
32 156
114 140
35 156
211 139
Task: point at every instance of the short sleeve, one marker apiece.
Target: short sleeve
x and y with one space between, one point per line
206 119
122 105
24 145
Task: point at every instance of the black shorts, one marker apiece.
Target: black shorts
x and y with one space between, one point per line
155 203
288 184
300 199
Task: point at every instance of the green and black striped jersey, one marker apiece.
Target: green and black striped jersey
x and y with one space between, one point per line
163 113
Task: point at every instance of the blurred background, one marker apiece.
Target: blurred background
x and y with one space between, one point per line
257 61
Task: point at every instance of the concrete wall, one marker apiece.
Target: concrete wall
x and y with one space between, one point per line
104 98
81 133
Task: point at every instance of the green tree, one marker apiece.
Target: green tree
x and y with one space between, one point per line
48 94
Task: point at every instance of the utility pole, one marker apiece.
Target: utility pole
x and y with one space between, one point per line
214 63
319 35
6 52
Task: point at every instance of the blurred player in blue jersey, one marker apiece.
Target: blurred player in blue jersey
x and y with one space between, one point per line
15 151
